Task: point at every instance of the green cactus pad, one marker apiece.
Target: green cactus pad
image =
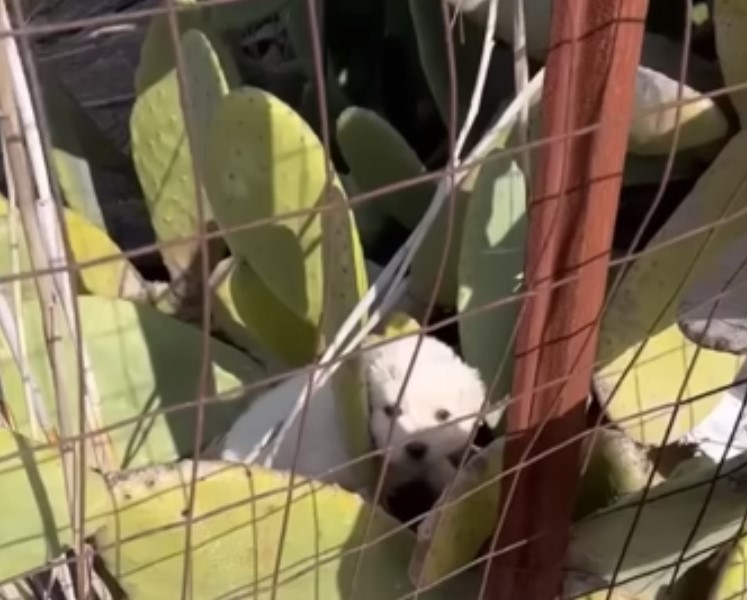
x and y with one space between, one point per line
467 513
614 466
142 361
249 314
428 23
84 159
265 162
35 520
682 521
452 538
378 156
433 250
157 52
461 521
346 282
295 17
427 261
161 151
491 264
205 78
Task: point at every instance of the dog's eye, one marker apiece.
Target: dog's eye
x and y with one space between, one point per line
392 411
442 415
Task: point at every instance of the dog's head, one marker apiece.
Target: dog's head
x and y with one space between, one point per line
439 405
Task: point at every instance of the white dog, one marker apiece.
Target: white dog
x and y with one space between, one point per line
431 425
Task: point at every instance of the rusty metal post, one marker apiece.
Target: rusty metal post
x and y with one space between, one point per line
589 79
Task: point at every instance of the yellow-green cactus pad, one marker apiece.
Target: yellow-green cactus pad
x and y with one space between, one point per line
265 163
113 278
672 512
644 358
730 583
491 264
138 520
615 466
249 314
346 282
449 225
706 579
161 150
35 519
399 324
143 362
462 519
236 538
442 243
655 120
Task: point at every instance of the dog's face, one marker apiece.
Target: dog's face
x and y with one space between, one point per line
439 404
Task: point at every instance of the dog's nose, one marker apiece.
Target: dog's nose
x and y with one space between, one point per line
416 450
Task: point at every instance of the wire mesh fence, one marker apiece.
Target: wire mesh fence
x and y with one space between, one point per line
385 299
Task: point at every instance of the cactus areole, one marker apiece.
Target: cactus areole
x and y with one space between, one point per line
590 79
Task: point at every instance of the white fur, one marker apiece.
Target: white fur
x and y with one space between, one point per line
439 380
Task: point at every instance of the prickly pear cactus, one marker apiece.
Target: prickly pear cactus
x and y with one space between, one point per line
491 264
238 519
248 313
645 361
731 568
451 537
264 164
114 278
158 45
399 324
84 158
428 26
378 156
31 537
345 285
699 120
160 146
639 541
144 363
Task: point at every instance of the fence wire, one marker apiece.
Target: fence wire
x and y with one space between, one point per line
113 306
